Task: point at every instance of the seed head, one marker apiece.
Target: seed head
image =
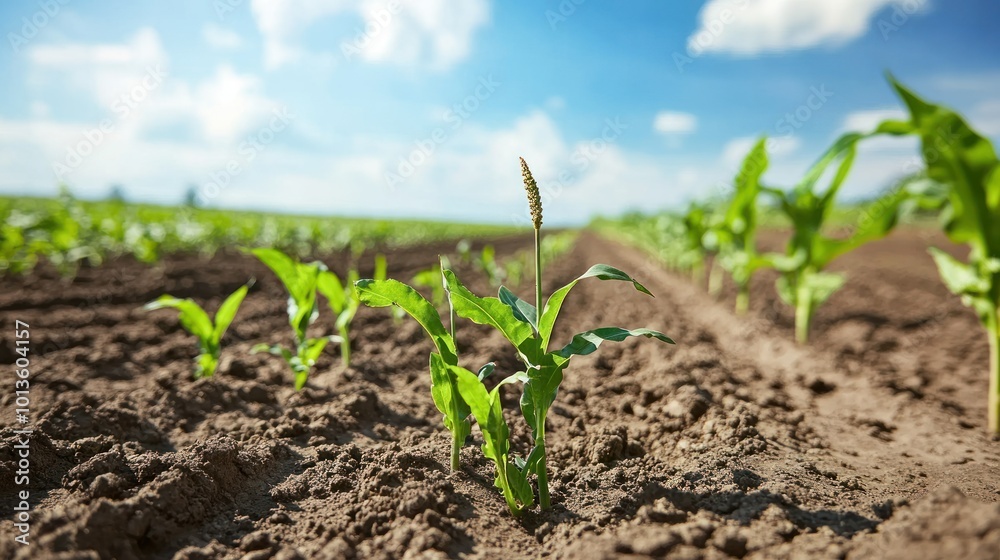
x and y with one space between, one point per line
534 198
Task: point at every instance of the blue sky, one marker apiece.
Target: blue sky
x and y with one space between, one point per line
420 108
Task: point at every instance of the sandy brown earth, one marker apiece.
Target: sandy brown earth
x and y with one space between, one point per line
733 443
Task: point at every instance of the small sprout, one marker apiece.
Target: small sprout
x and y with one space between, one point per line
196 321
344 302
804 283
301 282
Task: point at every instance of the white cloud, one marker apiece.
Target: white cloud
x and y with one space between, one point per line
867 120
219 37
750 28
437 33
672 122
230 104
107 71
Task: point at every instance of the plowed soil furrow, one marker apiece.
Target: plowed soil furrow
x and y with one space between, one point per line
734 442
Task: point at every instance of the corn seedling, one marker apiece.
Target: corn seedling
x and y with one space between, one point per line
196 321
344 302
735 236
530 332
697 222
804 284
966 163
431 279
444 387
301 282
487 264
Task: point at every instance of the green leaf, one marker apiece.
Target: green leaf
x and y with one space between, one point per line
486 408
313 348
486 371
285 268
276 350
539 393
192 317
328 284
588 342
227 312
487 311
554 305
875 222
821 285
960 278
959 157
519 485
523 310
383 293
300 281
447 399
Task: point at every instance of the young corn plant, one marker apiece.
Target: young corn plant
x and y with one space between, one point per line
804 283
344 302
966 163
430 278
697 222
196 321
530 332
487 264
736 235
301 282
444 385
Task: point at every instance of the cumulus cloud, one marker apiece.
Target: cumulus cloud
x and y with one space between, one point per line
436 33
672 122
747 28
107 71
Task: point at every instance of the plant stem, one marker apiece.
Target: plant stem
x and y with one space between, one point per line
543 474
538 273
345 346
698 273
993 331
715 278
456 451
803 316
743 299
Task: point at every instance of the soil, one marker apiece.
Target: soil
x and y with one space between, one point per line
735 442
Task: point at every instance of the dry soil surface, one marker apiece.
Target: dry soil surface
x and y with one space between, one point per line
735 442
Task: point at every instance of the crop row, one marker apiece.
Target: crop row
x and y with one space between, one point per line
459 394
68 232
960 181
